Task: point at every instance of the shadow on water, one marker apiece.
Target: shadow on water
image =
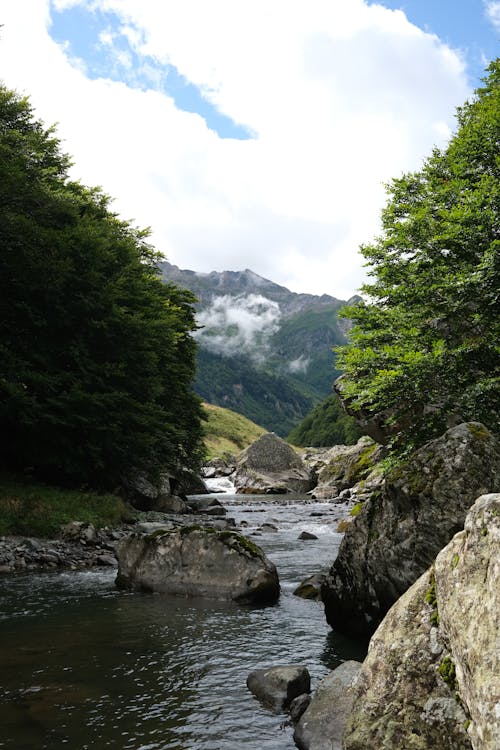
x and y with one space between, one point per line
339 648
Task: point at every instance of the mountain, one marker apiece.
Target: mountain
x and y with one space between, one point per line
265 352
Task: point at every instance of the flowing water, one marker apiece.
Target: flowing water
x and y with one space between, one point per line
84 665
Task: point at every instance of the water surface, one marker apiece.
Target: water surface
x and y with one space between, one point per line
84 665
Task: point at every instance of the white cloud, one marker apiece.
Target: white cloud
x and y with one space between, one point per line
492 8
239 325
299 365
341 96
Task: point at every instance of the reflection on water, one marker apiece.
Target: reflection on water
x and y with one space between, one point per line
84 665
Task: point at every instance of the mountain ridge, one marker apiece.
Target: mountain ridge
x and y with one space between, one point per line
264 351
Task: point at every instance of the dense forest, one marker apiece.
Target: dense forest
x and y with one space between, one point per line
96 354
424 351
327 424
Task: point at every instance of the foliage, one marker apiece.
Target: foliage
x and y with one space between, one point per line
227 432
424 351
33 509
96 357
327 424
264 398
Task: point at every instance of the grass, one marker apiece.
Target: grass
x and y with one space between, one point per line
228 432
33 509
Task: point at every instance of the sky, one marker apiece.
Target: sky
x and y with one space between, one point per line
250 133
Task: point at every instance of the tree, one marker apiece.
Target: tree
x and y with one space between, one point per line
326 424
96 356
424 351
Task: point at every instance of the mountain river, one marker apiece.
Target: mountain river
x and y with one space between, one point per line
86 666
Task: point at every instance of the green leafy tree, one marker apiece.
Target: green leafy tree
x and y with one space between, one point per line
96 357
327 424
424 351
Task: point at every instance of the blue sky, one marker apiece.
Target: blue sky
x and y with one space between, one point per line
463 24
250 133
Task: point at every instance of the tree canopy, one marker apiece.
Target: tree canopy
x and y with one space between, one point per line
424 351
96 356
327 424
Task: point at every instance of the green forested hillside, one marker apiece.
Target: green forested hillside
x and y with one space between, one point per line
327 424
266 399
96 354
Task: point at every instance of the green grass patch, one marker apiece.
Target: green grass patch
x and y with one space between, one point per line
356 509
33 509
225 431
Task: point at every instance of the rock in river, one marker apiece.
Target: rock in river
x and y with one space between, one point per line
432 675
197 561
406 522
270 465
277 686
321 726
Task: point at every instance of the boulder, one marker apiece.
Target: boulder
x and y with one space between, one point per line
401 701
79 531
307 535
198 504
405 522
321 726
310 588
344 466
171 504
196 561
467 574
432 675
277 686
270 465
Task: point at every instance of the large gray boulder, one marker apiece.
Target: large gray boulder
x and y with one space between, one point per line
406 521
195 561
321 726
467 574
432 675
270 465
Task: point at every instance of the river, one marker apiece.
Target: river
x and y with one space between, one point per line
84 665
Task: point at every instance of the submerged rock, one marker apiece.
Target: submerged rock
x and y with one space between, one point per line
197 561
277 686
321 726
404 524
270 465
432 675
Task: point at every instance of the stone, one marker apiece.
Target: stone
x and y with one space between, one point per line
467 574
298 706
197 561
307 535
79 531
344 466
321 726
432 675
107 560
310 588
270 465
277 686
401 701
171 504
405 521
201 503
